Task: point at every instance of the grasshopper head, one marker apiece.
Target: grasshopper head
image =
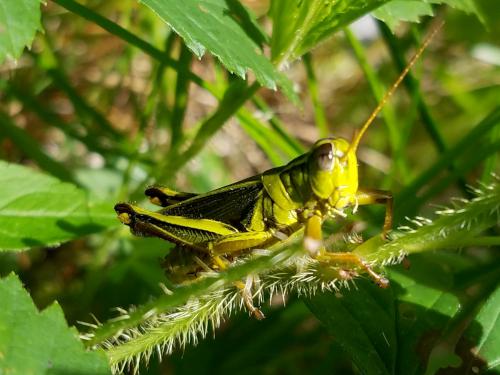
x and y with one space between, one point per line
333 170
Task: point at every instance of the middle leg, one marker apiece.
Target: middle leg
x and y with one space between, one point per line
244 287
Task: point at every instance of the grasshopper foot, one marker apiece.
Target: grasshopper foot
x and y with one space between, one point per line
356 261
256 312
312 245
246 294
381 281
406 263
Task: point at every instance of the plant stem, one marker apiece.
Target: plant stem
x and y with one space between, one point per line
312 84
405 199
278 126
31 148
183 293
486 241
181 98
236 95
455 229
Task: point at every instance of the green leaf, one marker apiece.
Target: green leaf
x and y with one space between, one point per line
300 25
33 342
412 10
425 305
403 10
39 210
19 21
468 6
225 29
362 323
488 339
434 311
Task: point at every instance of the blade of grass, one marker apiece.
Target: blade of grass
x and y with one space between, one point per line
312 84
146 117
413 87
236 95
157 111
269 135
92 142
181 97
471 140
491 164
87 113
126 35
166 89
266 137
262 137
259 138
278 126
31 148
470 163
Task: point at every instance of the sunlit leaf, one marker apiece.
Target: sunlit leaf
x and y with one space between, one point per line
425 305
19 21
300 25
33 342
226 30
361 321
488 337
403 10
39 210
396 11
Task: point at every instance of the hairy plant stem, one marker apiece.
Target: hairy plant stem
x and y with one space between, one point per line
185 315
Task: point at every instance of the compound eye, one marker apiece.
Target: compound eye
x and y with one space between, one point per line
324 157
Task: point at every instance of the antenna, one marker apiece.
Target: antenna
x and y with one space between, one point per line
359 134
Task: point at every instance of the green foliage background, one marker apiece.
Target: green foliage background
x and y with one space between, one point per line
113 96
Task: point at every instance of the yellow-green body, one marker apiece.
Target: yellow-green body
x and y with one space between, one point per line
255 212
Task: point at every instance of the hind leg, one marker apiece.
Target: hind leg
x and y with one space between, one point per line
244 287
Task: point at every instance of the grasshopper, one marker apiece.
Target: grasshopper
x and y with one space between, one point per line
213 228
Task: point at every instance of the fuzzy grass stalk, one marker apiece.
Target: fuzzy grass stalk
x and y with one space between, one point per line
165 332
162 328
456 227
187 324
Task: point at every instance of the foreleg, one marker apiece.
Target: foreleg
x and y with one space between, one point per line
373 196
